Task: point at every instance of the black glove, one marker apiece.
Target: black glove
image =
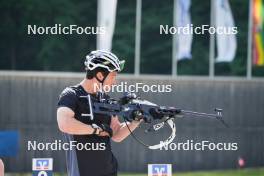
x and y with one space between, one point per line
138 115
107 129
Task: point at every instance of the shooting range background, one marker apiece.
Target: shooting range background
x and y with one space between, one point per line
28 104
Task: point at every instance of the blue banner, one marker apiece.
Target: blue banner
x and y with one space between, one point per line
8 143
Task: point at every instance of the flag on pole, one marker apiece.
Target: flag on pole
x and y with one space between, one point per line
106 15
226 42
184 39
258 32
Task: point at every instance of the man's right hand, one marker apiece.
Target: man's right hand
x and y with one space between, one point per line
103 130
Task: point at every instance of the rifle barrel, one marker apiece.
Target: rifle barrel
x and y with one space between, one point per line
201 114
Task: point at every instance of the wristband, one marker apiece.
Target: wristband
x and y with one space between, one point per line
95 130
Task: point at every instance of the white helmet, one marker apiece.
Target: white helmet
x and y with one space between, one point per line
103 59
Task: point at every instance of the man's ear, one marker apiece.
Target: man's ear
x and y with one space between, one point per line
99 75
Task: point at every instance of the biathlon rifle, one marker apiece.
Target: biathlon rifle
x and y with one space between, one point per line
131 107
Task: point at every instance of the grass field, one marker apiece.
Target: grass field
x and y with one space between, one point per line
242 172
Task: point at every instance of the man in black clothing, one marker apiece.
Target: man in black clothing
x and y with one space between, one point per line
91 133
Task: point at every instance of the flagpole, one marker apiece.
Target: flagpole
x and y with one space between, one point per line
137 38
212 43
174 42
249 49
99 18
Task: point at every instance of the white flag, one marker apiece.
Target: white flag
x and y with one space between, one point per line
226 43
106 15
184 38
